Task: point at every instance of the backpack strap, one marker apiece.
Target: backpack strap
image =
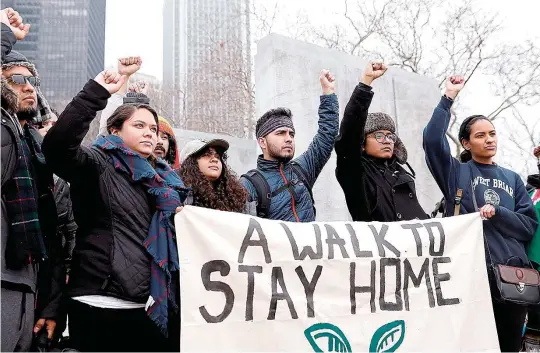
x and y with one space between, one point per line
265 195
457 201
302 175
464 181
263 192
412 172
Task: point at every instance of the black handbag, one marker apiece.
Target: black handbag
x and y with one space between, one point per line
513 284
517 285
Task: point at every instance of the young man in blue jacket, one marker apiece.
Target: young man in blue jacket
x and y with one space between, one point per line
281 185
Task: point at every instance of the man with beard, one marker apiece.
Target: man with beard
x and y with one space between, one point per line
31 253
166 147
280 185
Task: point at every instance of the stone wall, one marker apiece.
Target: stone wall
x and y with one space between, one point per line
287 74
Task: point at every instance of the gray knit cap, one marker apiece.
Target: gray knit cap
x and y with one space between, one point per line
13 59
382 121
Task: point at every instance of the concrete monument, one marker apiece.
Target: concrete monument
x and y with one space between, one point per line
287 74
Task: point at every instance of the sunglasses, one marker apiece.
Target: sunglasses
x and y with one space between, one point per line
380 137
19 79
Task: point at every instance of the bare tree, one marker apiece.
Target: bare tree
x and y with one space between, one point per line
438 39
221 95
163 97
524 135
217 95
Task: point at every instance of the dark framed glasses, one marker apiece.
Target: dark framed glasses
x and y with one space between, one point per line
380 137
19 79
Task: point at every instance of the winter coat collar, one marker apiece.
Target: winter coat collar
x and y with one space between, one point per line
268 165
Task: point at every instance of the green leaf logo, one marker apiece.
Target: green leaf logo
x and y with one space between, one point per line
388 337
336 340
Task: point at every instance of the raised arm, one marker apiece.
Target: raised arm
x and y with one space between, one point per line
439 158
126 66
62 144
351 132
320 149
13 29
351 139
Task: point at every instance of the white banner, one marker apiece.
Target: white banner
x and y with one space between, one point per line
254 285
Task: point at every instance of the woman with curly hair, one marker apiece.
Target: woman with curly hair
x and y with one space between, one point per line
214 185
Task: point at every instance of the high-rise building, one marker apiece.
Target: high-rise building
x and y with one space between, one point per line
207 64
66 43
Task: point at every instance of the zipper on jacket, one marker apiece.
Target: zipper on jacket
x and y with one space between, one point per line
105 282
290 192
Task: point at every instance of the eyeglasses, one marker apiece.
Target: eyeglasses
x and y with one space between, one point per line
380 137
19 79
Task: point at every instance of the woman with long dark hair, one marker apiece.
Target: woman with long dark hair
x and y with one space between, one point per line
213 184
508 214
123 282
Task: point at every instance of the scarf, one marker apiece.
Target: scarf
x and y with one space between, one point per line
25 241
168 192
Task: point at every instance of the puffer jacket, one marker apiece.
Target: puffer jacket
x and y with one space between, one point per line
296 205
113 215
67 227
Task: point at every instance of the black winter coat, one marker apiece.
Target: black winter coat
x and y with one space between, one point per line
67 227
375 189
47 279
113 215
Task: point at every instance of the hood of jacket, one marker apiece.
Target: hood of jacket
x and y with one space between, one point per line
10 100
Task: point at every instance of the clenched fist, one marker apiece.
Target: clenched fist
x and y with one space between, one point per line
138 87
110 80
536 152
328 83
454 85
373 71
130 65
14 21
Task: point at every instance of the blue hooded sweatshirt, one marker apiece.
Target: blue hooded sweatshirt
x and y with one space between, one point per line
514 222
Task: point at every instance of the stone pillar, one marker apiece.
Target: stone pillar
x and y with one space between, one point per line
287 74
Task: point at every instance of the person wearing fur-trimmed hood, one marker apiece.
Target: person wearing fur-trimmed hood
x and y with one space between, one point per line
370 159
31 251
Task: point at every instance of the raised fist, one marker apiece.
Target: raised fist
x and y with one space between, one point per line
11 18
454 85
328 83
373 71
536 152
110 80
130 65
138 87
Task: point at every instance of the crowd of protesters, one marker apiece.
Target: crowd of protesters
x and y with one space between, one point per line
88 233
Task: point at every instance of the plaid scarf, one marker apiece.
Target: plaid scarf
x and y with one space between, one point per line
168 191
25 241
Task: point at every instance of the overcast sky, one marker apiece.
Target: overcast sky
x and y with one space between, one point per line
135 27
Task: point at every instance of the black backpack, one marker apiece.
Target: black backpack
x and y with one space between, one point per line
265 195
